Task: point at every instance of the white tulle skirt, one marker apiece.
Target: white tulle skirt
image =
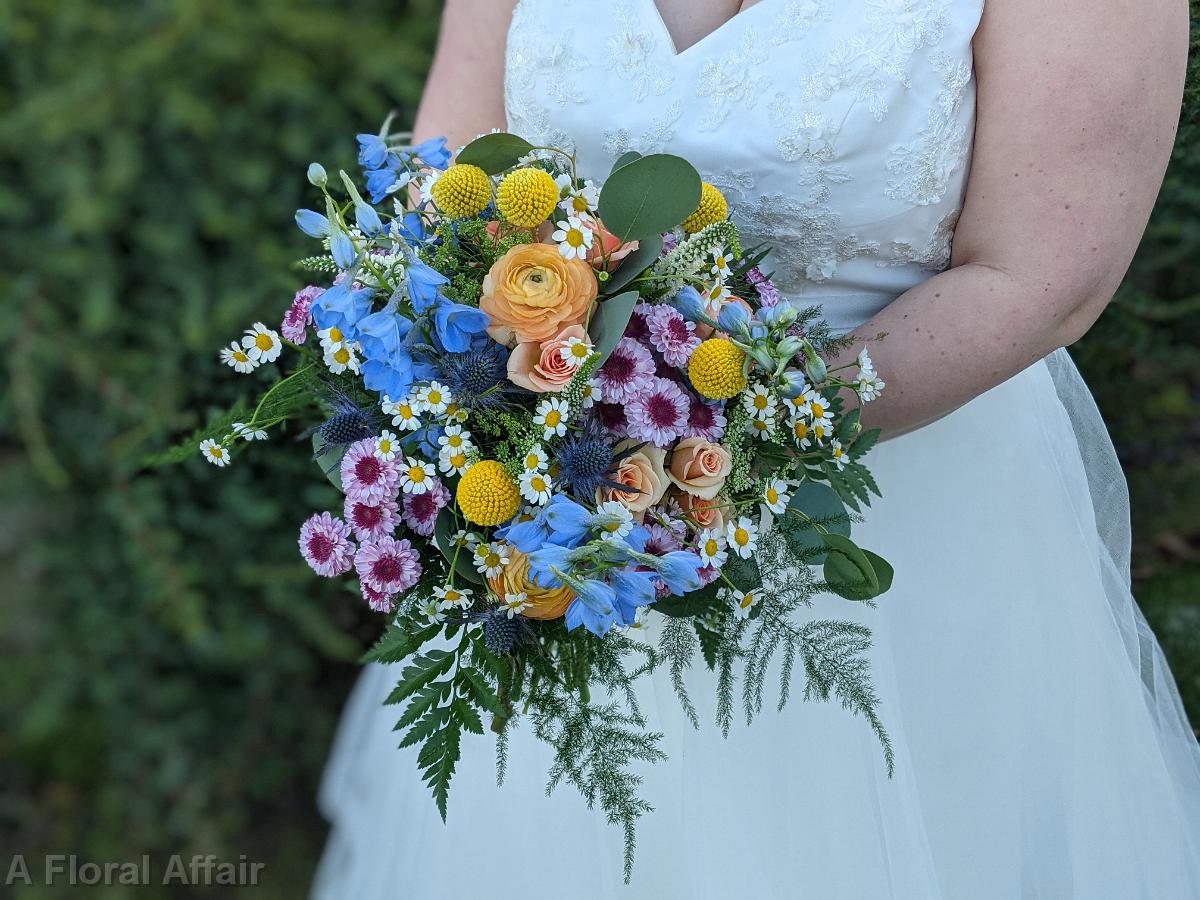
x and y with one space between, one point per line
1041 749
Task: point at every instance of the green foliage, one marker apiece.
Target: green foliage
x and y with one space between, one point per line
172 670
649 195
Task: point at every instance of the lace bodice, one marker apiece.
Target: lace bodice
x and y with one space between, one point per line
839 130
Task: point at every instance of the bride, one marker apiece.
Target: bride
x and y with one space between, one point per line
1041 748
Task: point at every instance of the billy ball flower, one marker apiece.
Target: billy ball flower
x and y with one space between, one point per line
526 197
365 476
717 369
215 452
462 191
712 209
487 495
387 565
325 545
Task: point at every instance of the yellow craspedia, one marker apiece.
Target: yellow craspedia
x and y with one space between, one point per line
487 495
716 369
462 191
526 197
712 209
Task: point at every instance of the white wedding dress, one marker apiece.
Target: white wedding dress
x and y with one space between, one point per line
1041 748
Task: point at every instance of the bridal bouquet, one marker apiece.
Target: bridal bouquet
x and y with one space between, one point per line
556 407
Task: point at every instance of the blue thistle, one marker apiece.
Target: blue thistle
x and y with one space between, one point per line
500 633
348 421
585 458
478 378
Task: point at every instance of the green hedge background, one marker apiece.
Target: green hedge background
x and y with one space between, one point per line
171 673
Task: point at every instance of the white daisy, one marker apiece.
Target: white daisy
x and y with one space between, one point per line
577 200
417 476
434 398
776 496
816 407
802 433
331 338
865 363
574 239
743 602
454 440
869 386
536 487
760 402
591 394
742 536
763 429
452 462
406 414
342 357
215 453
456 413
490 559
516 603
449 597
262 343
528 513
552 416
238 359
715 294
721 262
433 611
244 431
536 459
711 545
426 186
614 519
576 352
386 446
839 457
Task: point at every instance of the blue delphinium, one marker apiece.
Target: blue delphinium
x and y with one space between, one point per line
388 363
595 606
433 153
343 307
372 151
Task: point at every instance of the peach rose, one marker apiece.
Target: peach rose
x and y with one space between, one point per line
544 603
605 243
703 513
713 309
642 472
541 367
699 467
532 293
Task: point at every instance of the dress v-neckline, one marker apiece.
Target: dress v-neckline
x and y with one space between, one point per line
676 53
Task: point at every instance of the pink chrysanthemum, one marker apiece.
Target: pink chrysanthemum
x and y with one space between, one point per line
705 420
326 546
662 540
708 575
658 414
611 417
625 373
297 319
671 335
366 477
380 601
387 566
637 327
372 521
421 510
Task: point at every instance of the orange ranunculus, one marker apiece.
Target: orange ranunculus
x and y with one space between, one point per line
544 603
700 467
532 293
643 474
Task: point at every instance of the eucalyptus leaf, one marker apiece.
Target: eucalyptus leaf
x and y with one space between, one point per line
608 322
329 460
625 159
648 196
635 263
849 572
463 566
494 152
812 504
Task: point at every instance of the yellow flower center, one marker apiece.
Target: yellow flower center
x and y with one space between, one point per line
553 418
818 410
772 495
216 452
341 356
532 461
405 411
335 335
747 601
454 441
581 351
741 537
579 203
416 474
385 446
263 342
240 356
711 547
435 398
801 430
539 484
493 560
575 238
760 402
458 460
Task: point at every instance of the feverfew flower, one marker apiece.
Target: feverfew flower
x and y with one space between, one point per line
591 394
816 408
625 371
721 260
465 540
325 545
671 334
420 511
577 200
869 385
433 611
455 440
405 413
238 359
838 454
574 239
776 496
388 565
490 559
760 402
331 338
575 352
742 536
215 453
552 416
262 344
536 459
417 476
536 487
743 602
711 547
342 357
516 603
365 476
659 413
244 431
614 519
386 446
372 521
434 398
450 597
452 462
763 429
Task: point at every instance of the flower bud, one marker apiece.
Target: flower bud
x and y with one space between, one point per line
689 304
788 347
792 383
815 367
761 355
733 319
779 316
317 176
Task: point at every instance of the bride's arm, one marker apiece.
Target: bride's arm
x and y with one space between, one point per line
1077 107
464 94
